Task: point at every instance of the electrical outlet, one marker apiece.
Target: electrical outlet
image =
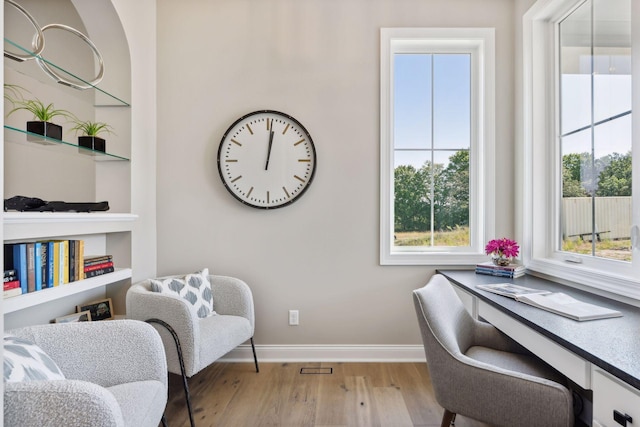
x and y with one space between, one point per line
294 317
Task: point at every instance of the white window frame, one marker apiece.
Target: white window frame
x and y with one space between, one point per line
480 43
540 156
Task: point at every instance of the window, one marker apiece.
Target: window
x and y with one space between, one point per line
437 112
580 143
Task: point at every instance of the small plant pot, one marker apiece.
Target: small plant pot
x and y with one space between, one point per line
93 143
46 129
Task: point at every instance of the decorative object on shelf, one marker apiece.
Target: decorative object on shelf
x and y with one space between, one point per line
34 204
100 310
83 316
502 250
43 115
38 39
48 69
266 159
89 138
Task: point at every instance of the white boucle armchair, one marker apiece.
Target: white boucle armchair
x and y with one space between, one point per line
115 376
201 341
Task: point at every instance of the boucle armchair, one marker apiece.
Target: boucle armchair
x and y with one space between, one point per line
192 342
478 372
114 376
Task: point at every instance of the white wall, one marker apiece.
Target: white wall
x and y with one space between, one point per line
317 60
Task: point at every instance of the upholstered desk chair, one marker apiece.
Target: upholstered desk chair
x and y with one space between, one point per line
193 342
478 372
98 374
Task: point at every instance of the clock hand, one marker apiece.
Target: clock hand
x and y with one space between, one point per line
266 166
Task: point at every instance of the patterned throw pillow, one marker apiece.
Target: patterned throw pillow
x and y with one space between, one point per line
194 288
25 361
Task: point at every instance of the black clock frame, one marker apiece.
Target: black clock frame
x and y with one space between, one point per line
302 128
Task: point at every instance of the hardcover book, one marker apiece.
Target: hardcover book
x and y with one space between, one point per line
558 302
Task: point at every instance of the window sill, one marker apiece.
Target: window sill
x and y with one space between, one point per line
614 286
432 258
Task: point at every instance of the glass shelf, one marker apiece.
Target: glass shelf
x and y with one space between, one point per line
44 141
118 100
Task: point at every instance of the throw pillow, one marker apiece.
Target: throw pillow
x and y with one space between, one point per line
25 361
193 288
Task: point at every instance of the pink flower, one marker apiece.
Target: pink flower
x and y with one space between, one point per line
504 247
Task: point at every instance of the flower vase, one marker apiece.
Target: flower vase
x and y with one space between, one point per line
500 260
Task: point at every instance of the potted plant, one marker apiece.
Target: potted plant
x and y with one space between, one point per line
89 135
42 114
502 251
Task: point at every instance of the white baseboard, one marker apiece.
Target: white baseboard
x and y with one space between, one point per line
328 353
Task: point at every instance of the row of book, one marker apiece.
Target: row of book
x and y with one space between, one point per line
511 271
33 266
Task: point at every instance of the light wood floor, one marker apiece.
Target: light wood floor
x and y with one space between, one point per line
354 394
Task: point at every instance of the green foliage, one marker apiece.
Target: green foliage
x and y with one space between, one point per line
606 176
40 111
454 209
445 191
615 179
11 92
89 128
411 199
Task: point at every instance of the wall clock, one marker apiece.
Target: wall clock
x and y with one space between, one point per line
266 159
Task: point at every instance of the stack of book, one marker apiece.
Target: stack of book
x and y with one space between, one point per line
33 266
11 284
45 264
98 265
509 271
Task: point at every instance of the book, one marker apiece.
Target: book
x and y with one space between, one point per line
510 290
12 292
99 272
97 259
80 260
43 264
72 260
511 270
64 262
50 259
500 273
554 302
93 267
31 267
37 265
56 263
492 266
12 285
19 263
10 278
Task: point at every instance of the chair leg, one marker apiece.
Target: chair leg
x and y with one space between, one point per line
164 421
185 384
255 358
448 418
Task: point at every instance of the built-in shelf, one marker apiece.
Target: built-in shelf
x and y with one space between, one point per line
36 225
32 299
19 136
108 101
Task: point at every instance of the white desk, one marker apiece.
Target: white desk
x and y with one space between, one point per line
598 355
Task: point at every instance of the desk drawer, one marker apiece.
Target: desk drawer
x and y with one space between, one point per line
568 363
611 394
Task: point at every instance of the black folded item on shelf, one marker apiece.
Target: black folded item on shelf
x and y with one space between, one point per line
33 204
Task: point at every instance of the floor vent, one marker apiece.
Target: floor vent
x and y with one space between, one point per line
316 371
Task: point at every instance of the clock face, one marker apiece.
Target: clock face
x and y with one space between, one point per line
266 159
